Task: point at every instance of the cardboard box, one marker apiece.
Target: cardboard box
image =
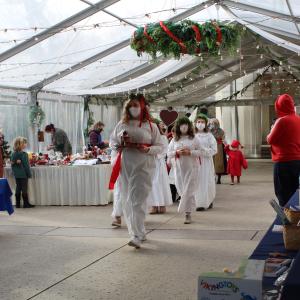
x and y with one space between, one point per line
245 284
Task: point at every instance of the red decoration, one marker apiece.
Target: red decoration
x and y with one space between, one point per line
150 39
219 35
168 116
173 37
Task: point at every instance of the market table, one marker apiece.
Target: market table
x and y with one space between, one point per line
5 196
273 242
68 185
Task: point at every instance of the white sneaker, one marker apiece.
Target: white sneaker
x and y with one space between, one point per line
188 219
135 242
144 238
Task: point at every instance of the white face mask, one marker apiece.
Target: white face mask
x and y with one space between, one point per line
135 111
200 126
184 128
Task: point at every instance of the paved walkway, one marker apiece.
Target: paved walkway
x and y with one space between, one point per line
62 253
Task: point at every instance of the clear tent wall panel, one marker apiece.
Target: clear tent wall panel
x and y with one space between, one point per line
62 50
31 17
105 69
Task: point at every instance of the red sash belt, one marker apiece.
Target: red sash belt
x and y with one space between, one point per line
117 167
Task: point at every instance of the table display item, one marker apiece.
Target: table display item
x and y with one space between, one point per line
293 214
280 212
291 237
244 284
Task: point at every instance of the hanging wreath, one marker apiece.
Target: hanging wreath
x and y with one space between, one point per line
36 116
185 37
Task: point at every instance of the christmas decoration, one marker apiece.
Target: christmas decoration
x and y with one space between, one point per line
168 116
36 116
4 147
90 116
185 37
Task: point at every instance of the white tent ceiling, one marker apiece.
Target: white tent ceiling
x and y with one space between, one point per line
81 47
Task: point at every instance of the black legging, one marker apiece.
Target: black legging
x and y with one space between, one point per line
286 180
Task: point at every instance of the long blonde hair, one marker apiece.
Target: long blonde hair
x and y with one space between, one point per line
19 142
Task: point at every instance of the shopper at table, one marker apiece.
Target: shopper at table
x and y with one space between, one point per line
220 160
21 170
95 136
160 196
59 139
284 139
207 185
186 150
138 142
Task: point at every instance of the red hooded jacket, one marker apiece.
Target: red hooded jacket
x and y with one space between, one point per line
284 137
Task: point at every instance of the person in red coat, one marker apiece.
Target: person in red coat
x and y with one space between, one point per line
284 139
236 161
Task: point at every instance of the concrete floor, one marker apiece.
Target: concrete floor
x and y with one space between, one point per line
63 253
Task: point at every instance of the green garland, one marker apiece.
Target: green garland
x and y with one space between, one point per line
36 116
90 116
181 38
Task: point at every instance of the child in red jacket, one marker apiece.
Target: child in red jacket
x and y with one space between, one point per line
236 161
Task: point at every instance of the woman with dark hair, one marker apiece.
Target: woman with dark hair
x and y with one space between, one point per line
95 136
59 139
207 185
220 160
137 141
186 150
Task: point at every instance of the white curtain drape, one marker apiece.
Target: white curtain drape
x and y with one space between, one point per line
14 121
110 115
243 123
65 115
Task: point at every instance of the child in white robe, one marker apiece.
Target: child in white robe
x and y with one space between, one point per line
186 150
207 185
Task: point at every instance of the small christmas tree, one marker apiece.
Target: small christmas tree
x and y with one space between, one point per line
4 147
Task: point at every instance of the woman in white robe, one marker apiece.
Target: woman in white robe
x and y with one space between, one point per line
186 150
139 142
206 185
160 196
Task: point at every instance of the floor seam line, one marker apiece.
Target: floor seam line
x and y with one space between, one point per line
76 272
255 234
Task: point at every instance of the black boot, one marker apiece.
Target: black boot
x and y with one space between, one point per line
18 201
26 202
219 179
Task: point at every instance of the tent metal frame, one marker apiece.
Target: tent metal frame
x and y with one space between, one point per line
38 86
35 39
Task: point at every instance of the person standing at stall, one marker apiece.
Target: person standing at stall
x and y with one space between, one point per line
220 160
138 142
186 150
95 136
1 155
59 139
284 139
207 184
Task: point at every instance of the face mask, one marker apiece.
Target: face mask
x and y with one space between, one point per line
135 111
200 126
184 128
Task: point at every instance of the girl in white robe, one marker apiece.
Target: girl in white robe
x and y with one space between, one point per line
160 196
136 165
206 185
186 150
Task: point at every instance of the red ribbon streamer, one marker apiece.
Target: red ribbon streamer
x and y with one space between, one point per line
197 33
173 37
144 111
219 34
150 39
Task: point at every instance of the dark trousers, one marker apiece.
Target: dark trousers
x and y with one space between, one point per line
173 192
286 180
22 187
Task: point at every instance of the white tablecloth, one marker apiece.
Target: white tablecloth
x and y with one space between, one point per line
67 185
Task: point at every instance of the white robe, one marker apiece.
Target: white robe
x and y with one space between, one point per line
137 171
206 184
186 171
161 193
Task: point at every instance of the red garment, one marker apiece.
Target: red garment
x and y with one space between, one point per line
284 137
236 161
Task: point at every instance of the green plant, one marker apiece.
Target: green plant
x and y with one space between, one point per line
36 116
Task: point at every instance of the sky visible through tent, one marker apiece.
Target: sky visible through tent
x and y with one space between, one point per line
105 29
